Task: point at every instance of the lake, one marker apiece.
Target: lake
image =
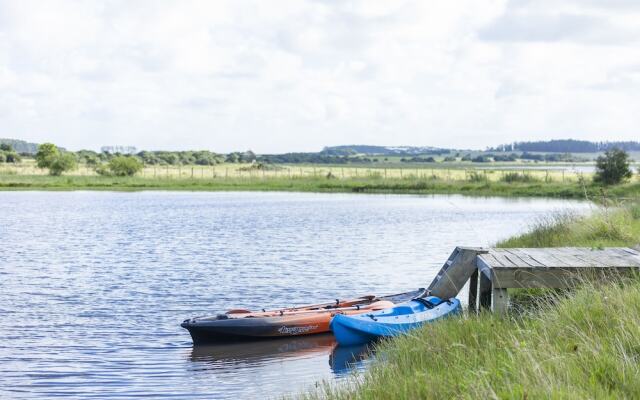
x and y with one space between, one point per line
94 285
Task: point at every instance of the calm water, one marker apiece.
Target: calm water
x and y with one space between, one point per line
93 285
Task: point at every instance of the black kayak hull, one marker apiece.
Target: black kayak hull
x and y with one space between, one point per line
233 330
217 329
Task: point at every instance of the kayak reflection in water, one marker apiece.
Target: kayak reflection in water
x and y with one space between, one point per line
341 359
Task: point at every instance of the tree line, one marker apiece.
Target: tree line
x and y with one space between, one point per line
613 167
567 146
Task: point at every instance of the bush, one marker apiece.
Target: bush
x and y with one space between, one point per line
47 152
13 157
613 167
123 166
3 158
103 169
481 159
511 177
61 163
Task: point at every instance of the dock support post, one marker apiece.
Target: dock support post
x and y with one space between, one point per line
485 292
473 291
500 300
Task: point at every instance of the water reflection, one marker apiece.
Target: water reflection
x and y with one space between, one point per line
345 359
342 359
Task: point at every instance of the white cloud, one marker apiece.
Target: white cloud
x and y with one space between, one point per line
298 75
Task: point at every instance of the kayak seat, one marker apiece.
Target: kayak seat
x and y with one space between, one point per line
430 302
403 310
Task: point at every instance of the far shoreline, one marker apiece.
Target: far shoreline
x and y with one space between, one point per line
413 185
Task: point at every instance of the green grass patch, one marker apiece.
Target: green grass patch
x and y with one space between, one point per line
583 343
585 346
374 183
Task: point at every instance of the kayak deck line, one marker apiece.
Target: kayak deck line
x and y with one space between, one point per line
491 271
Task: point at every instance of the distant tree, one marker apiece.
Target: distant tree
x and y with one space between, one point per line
12 157
6 147
480 159
125 166
47 153
169 158
233 158
248 156
531 156
504 157
62 163
20 146
613 167
91 160
449 159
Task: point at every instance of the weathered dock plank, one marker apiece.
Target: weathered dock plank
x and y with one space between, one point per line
494 270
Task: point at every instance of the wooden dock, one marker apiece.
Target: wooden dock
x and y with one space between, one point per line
490 272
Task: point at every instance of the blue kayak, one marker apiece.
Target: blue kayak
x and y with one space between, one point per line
363 328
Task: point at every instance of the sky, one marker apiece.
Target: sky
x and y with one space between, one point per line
280 76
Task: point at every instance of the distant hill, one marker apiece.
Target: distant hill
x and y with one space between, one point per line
21 146
381 150
567 146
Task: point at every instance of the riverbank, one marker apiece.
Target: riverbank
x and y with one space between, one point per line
582 344
408 185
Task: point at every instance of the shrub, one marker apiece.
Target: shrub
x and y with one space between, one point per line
61 163
47 153
124 166
13 157
511 177
480 159
103 169
613 167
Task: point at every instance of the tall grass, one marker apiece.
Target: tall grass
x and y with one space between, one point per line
575 345
367 184
586 346
608 227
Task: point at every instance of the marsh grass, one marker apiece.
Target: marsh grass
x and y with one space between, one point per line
607 227
573 344
364 184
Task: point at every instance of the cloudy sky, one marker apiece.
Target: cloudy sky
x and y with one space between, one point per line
277 76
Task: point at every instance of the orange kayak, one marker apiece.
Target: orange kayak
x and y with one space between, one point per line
239 324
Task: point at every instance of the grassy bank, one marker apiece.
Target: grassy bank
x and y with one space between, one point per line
409 184
587 345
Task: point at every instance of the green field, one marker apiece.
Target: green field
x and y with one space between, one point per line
475 185
547 182
574 345
456 171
